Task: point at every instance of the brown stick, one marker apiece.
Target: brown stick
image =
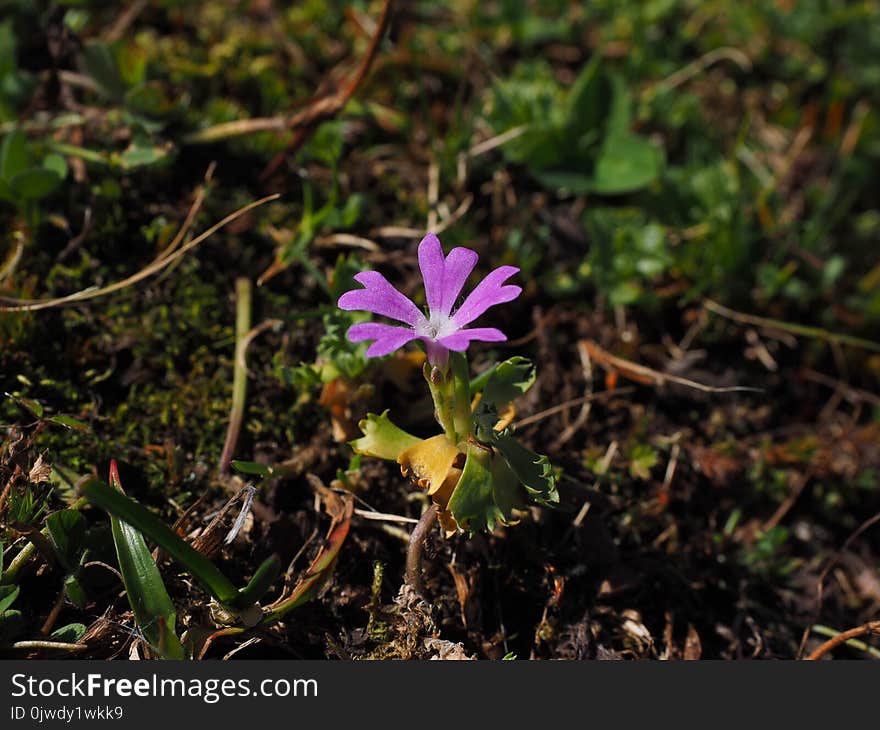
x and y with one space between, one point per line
872 627
790 327
820 583
416 546
20 305
648 376
318 109
328 107
789 502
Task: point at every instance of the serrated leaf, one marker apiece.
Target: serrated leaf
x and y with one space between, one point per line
534 471
485 418
507 488
509 380
34 183
382 439
485 493
13 154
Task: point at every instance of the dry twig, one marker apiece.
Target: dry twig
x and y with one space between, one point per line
872 627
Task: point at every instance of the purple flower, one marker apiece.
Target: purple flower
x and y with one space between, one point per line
442 330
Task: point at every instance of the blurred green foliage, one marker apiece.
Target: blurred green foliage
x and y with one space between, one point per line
577 140
24 177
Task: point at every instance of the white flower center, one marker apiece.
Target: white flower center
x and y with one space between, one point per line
436 327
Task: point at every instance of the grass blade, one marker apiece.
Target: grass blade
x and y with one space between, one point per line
126 509
153 610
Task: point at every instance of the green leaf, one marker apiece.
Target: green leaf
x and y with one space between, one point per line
69 422
531 98
67 529
382 439
626 163
485 493
152 99
533 471
6 192
252 468
620 115
507 488
575 182
261 581
11 625
75 591
625 293
33 184
13 154
137 156
125 508
56 163
71 633
130 61
585 102
153 610
509 380
8 43
99 62
8 594
29 404
642 458
472 503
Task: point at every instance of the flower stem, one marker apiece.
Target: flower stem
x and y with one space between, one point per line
416 546
239 380
450 390
461 396
441 393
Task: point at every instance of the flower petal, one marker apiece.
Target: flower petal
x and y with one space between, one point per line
387 337
433 265
460 340
487 293
459 265
379 297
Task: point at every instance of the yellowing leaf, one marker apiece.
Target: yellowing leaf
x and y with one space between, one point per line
382 438
428 462
431 465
